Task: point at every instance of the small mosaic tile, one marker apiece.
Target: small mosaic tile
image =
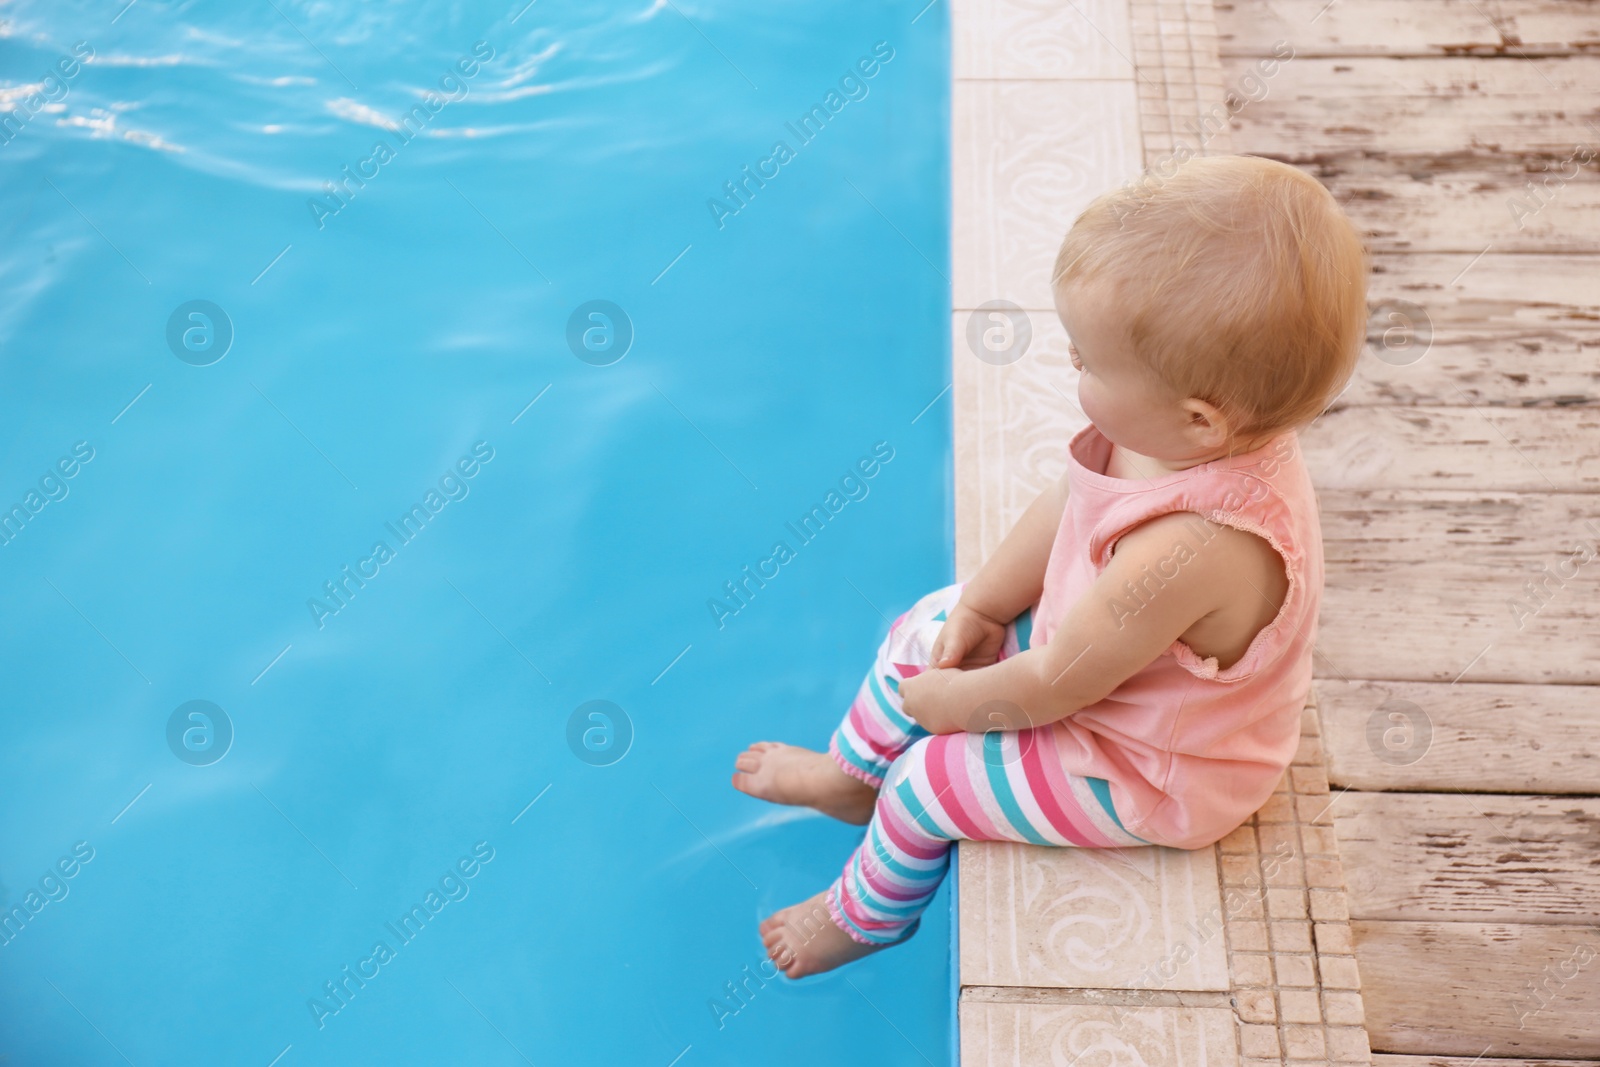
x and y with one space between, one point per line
1053 105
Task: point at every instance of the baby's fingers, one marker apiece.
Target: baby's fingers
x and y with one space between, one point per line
948 648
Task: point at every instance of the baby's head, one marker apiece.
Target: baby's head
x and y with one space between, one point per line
1212 310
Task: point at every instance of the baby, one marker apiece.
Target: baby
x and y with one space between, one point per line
1130 665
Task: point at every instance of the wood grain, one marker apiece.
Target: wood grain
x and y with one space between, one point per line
1491 290
1510 28
1482 737
1420 582
1465 200
1455 447
1537 368
1457 988
1475 1061
1408 106
1458 857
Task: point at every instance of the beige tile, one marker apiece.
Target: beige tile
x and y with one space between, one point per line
1319 840
1041 39
1309 779
1279 808
1087 918
1333 939
1012 425
1258 1040
1348 1044
1251 969
1328 905
1317 810
1309 723
1291 937
1256 1005
1304 1042
1026 159
1279 838
1248 936
1295 969
1242 902
1241 870
1343 1007
1242 840
1300 1005
1023 1035
1324 872
1338 972
1286 903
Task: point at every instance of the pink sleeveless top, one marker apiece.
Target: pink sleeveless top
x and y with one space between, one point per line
1190 751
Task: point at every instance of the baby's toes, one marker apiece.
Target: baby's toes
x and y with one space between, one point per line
748 761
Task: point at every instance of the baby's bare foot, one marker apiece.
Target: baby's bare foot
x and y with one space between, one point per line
802 939
787 774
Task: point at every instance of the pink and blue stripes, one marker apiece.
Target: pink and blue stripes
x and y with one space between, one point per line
998 786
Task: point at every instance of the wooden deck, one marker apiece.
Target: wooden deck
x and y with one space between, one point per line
1461 730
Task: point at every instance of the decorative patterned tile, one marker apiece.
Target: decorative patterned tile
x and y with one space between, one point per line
1261 918
1012 425
1041 39
1026 159
1058 1035
1142 918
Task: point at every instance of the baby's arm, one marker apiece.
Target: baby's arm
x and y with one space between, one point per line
1007 584
1097 646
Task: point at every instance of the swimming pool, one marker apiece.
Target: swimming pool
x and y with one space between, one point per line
403 408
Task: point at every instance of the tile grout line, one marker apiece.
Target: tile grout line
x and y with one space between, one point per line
1177 77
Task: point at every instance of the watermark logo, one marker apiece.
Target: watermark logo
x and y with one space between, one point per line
51 89
993 720
599 333
1399 332
1551 182
452 887
52 888
454 485
1251 88
1399 733
599 733
741 190
1537 593
453 86
199 733
52 487
199 332
999 332
738 593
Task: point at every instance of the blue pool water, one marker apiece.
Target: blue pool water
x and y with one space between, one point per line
336 508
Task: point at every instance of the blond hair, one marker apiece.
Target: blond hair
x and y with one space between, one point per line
1242 282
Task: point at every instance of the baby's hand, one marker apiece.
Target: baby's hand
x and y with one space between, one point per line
968 640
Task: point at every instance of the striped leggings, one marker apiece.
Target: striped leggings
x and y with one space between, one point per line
936 789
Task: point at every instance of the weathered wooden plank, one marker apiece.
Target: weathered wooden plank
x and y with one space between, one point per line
1465 201
1475 1061
1540 368
1511 28
1458 857
1429 585
1457 988
1314 106
1484 737
1490 290
1454 448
